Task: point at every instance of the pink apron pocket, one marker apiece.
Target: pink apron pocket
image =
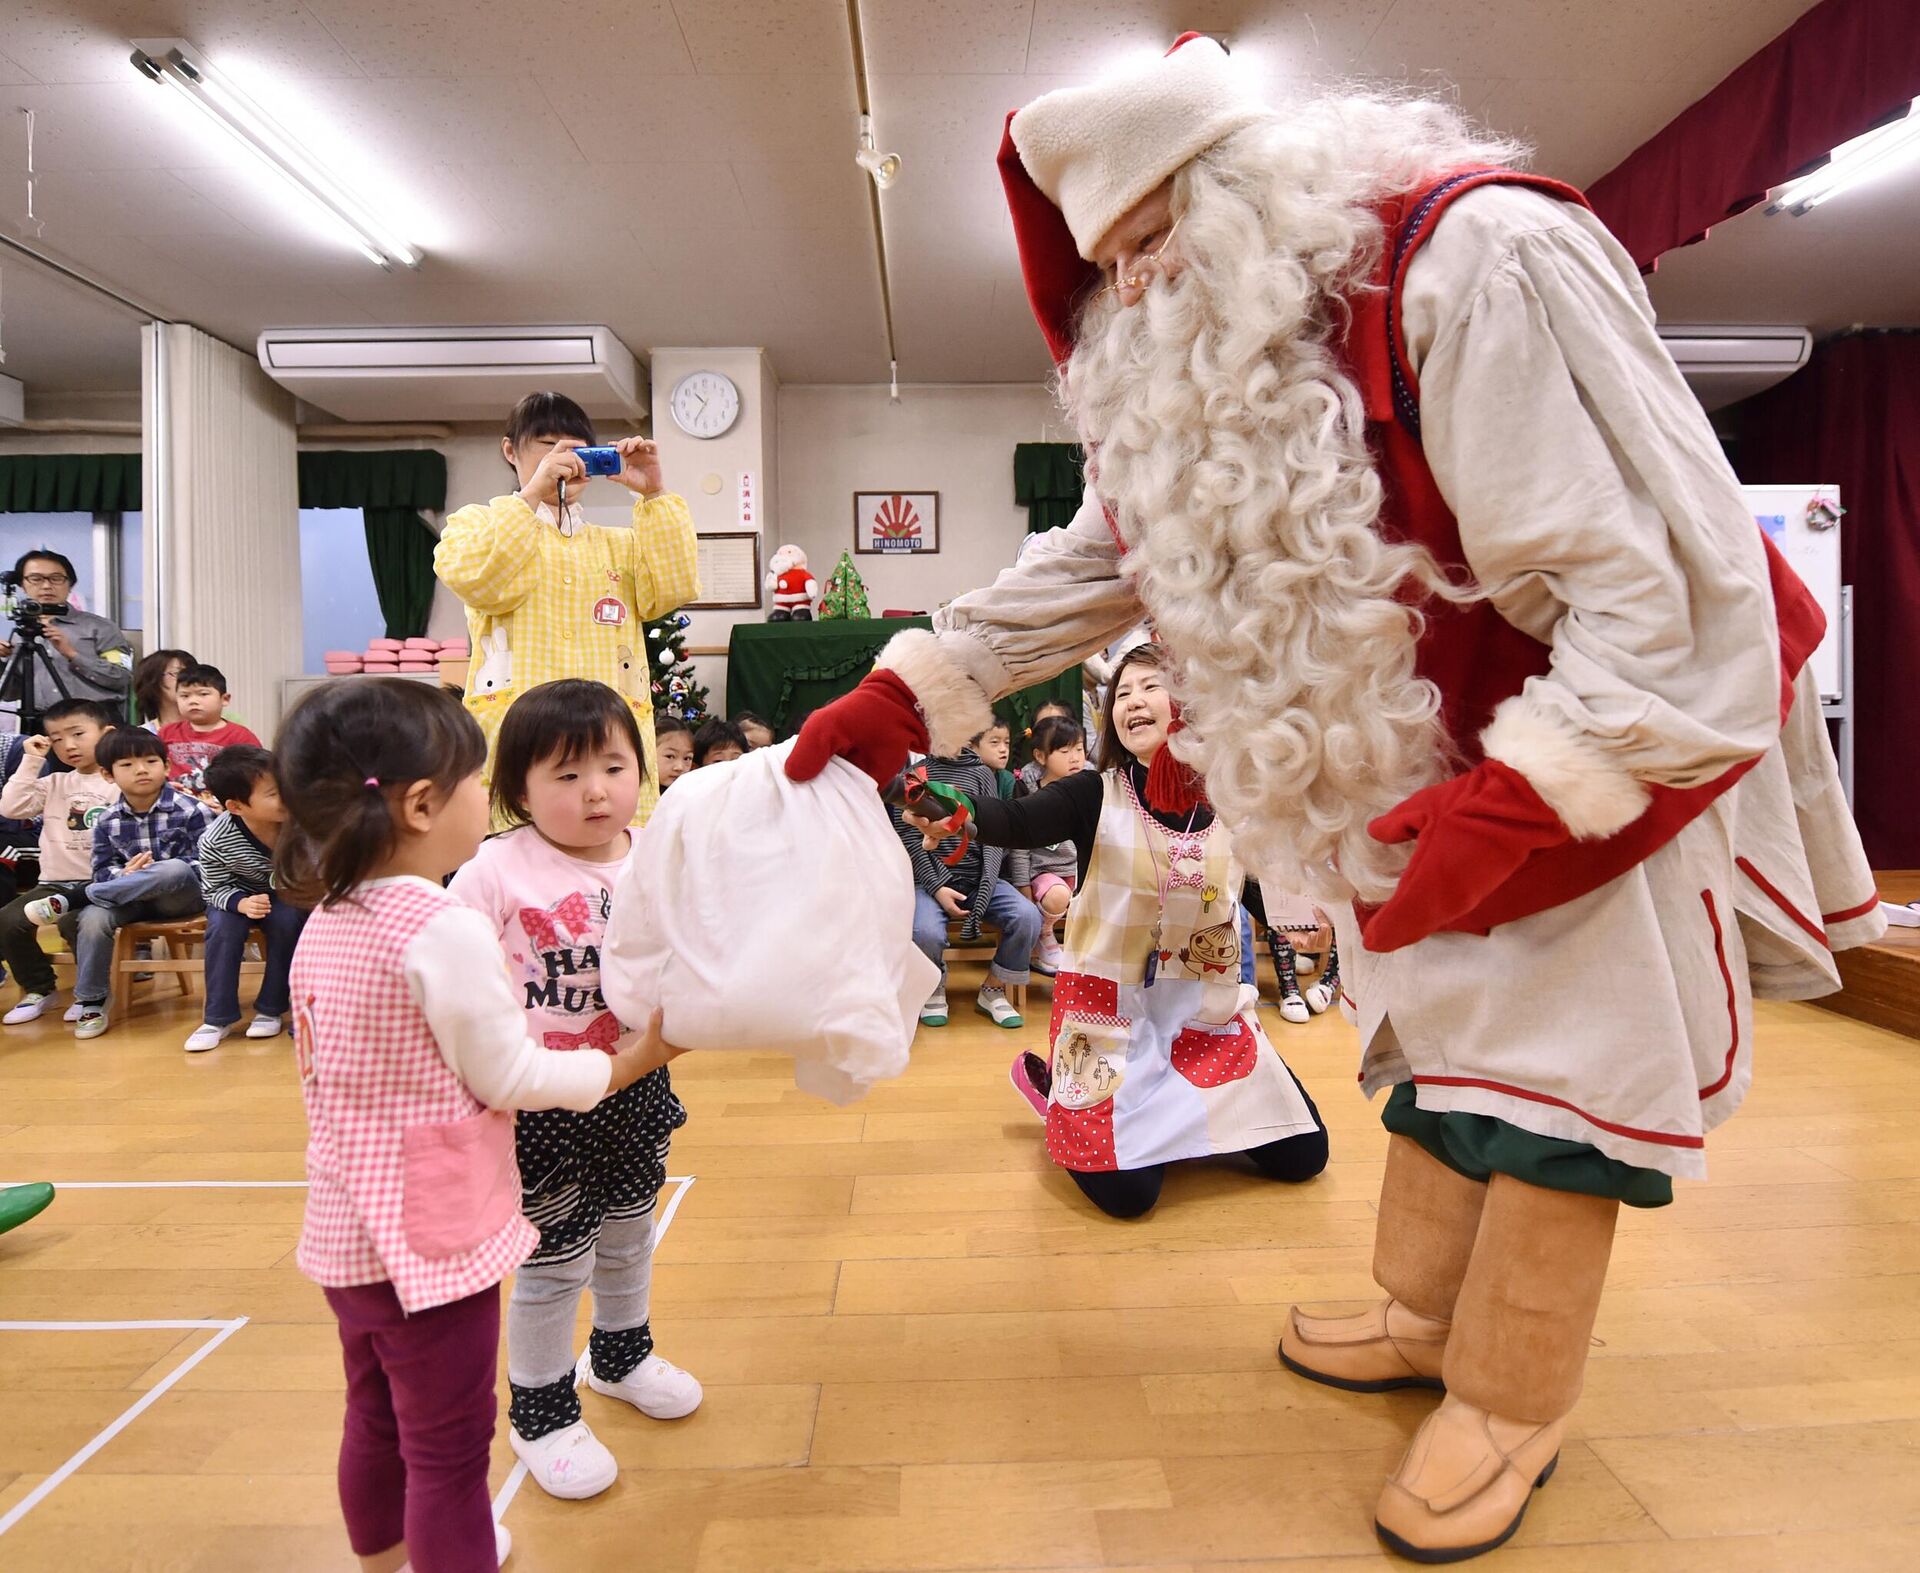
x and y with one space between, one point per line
462 1186
1213 1056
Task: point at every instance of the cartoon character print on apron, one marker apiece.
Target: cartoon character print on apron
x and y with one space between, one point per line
1157 1053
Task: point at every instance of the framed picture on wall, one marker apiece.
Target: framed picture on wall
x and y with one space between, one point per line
729 570
896 524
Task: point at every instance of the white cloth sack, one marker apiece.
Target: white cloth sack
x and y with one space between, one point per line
767 915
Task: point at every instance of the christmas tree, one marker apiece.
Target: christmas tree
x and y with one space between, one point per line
676 690
846 591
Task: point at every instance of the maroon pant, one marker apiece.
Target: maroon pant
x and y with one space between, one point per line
420 1413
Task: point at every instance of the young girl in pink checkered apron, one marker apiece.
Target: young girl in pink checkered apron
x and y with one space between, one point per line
412 1053
1157 1053
566 773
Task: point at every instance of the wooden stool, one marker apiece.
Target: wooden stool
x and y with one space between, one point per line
184 937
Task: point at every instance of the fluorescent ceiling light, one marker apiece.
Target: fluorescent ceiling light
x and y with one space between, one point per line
228 108
1878 152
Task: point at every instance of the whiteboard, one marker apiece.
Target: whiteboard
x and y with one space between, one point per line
1815 556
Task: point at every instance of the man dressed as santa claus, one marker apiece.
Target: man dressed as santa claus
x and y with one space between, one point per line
1476 642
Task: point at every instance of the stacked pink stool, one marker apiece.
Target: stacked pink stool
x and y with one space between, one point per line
391 657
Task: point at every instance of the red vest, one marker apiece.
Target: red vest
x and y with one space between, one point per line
1471 653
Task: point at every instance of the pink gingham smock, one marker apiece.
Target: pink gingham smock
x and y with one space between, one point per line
370 1068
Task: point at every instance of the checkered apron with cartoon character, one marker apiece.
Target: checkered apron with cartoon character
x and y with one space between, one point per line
1157 1052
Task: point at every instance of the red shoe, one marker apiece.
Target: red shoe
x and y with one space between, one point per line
1032 1080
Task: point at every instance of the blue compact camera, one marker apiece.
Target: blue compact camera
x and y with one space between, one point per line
601 461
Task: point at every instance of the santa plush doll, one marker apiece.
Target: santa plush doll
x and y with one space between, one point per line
1477 645
793 588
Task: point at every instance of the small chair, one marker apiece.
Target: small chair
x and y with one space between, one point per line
185 939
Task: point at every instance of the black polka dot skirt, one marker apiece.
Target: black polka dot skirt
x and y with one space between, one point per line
577 1170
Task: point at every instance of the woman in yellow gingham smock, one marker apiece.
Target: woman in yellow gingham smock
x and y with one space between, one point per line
550 597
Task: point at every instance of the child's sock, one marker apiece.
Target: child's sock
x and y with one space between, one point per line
535 1411
616 1354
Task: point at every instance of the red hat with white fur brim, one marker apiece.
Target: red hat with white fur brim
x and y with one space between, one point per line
1075 161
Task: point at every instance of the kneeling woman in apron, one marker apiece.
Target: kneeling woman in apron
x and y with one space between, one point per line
1156 1052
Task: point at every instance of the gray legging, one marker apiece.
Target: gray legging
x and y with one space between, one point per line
546 1299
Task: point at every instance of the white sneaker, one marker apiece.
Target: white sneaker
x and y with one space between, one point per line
1319 997
73 1012
571 1463
994 1003
1294 1009
655 1387
29 1009
206 1036
47 911
264 1027
1048 955
934 1012
91 1023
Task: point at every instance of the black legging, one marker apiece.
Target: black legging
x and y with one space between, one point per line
1131 1193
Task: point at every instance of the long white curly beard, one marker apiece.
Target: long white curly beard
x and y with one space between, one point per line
1231 448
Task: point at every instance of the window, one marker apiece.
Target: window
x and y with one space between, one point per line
337 598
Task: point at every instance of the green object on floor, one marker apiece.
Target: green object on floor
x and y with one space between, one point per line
18 1203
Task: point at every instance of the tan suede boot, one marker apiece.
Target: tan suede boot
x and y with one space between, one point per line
1429 1216
1513 1369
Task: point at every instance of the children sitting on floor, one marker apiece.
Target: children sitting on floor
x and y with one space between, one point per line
236 879
146 869
67 804
717 741
1059 751
202 730
672 748
982 884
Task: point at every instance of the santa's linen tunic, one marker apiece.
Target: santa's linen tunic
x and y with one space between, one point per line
1596 510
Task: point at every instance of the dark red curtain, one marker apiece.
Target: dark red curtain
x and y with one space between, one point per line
1853 417
1826 79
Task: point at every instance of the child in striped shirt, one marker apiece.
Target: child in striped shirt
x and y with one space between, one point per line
236 877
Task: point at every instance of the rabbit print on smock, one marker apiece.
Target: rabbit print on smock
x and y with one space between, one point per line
550 597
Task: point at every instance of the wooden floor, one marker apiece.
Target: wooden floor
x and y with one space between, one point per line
923 1351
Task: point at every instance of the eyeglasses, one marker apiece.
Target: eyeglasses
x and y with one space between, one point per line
1146 267
51 581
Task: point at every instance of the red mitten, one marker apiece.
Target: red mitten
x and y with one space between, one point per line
875 727
1470 834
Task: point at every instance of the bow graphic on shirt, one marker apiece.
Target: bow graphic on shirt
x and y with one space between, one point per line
602 1035
563 924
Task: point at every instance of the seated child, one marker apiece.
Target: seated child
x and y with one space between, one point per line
202 730
236 878
757 733
1028 775
1059 751
995 748
672 748
983 885
716 742
146 867
67 804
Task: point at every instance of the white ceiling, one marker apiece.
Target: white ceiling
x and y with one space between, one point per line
681 169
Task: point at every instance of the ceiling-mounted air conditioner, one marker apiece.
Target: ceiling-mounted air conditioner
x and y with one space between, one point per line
1726 364
453 374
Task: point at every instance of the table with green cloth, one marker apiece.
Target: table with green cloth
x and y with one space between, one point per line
785 671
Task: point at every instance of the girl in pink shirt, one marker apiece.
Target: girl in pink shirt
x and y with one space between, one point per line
567 774
412 1050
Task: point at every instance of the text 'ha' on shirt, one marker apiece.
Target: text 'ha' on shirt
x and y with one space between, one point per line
550 912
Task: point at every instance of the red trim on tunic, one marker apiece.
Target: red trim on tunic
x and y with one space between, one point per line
1780 901
1852 912
1661 1138
1733 1008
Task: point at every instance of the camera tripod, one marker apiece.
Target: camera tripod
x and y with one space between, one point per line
17 685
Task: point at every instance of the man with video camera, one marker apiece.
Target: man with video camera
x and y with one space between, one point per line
54 651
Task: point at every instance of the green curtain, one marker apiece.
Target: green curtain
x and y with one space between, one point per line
70 483
1047 482
389 487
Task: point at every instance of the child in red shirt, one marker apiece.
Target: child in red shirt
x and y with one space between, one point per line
202 730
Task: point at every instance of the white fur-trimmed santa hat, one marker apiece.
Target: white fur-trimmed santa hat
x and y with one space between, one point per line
1095 151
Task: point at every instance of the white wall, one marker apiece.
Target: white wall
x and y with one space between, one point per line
957 440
